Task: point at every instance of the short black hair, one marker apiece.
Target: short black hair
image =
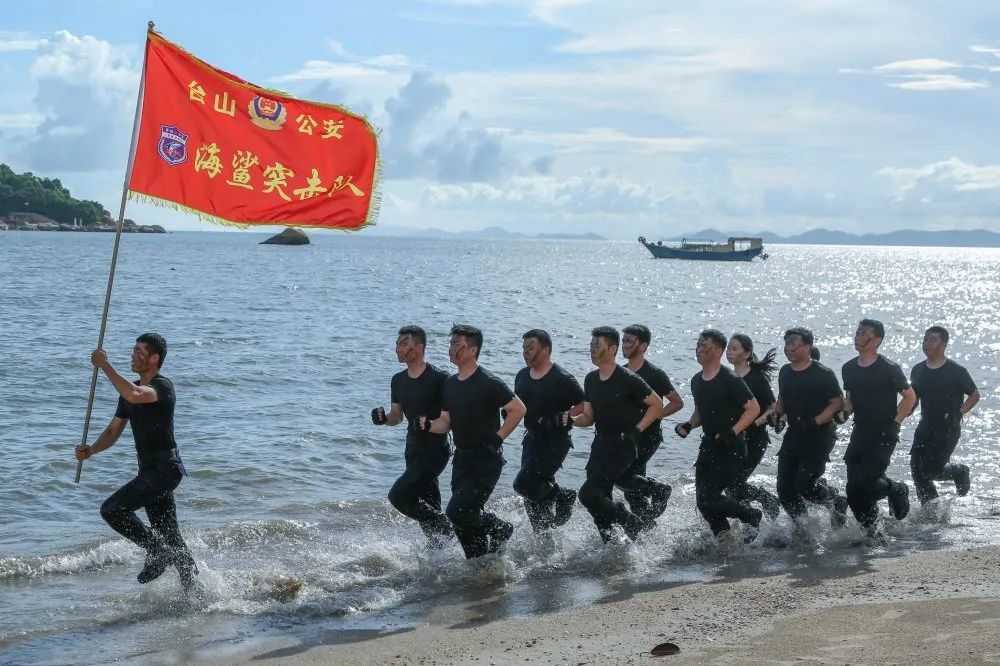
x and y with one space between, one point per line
804 333
609 333
414 332
877 328
639 331
939 331
471 333
544 339
814 353
156 344
715 335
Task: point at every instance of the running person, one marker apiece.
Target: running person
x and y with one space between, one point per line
724 407
470 409
809 398
872 384
650 504
548 393
621 405
147 405
415 392
757 374
946 393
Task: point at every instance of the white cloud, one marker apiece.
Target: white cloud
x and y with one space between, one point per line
596 191
919 65
953 174
924 75
21 120
611 140
14 44
985 49
389 60
86 90
322 70
937 82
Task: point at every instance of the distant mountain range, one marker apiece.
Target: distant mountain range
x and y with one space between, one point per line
907 237
488 232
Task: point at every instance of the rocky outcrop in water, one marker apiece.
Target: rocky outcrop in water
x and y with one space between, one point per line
289 236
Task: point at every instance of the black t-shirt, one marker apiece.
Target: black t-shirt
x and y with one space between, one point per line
658 381
474 406
555 391
874 390
760 387
808 392
153 422
720 400
941 391
617 401
419 397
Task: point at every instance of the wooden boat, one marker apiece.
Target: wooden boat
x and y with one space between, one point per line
735 249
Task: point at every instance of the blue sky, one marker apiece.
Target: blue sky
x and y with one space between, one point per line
623 118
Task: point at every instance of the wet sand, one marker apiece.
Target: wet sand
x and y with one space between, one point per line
941 607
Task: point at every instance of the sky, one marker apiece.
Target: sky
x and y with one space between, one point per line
620 117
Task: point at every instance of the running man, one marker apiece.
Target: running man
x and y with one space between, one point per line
621 405
724 407
470 409
650 504
549 393
872 385
147 405
415 392
809 397
946 393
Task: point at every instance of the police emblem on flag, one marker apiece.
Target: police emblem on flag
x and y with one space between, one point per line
172 146
267 113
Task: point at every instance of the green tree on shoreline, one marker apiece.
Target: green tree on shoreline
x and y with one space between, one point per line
45 196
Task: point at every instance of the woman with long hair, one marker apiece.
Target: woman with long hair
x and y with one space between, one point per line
757 373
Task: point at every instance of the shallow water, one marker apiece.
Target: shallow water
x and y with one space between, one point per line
278 354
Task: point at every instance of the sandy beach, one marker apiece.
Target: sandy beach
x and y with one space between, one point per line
941 607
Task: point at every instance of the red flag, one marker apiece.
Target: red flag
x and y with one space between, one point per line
228 150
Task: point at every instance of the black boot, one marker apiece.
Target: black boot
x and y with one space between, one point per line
752 516
499 533
187 570
899 500
838 513
157 560
658 500
630 522
963 481
564 506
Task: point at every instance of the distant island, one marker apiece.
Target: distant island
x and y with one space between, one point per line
904 237
487 233
30 203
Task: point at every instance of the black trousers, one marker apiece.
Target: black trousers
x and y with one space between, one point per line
930 457
742 491
542 455
867 458
636 486
716 470
611 455
416 493
801 466
474 475
153 490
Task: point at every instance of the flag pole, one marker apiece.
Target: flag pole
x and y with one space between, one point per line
114 254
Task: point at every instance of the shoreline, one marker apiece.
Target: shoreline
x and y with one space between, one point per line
936 607
140 229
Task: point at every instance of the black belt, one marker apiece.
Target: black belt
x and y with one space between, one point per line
168 456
